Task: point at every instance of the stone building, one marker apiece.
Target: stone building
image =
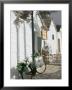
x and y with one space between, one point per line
46 33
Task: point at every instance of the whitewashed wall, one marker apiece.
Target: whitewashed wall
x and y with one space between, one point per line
25 39
24 33
59 36
52 43
13 43
23 47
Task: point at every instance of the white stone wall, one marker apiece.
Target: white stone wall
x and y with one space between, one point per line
13 43
52 43
24 42
21 41
59 36
25 39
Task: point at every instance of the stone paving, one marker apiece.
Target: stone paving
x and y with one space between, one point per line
52 72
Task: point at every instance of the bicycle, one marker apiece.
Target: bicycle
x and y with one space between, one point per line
31 68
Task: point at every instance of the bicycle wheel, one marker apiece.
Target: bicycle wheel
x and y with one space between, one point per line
40 65
41 69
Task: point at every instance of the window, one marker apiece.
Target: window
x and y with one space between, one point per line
53 36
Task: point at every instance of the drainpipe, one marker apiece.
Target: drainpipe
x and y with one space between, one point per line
33 44
33 47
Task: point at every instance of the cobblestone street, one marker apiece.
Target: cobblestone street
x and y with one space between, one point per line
52 72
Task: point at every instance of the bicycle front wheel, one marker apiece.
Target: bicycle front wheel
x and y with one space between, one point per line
41 69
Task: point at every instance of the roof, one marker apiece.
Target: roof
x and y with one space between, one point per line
45 18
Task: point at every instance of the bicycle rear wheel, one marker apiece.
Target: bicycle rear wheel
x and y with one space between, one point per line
41 69
40 64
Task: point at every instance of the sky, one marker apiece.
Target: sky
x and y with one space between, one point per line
56 16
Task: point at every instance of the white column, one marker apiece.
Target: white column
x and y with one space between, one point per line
24 43
28 39
20 42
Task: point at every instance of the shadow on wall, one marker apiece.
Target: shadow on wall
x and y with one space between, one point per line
14 74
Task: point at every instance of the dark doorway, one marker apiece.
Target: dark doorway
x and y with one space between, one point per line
39 44
59 45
